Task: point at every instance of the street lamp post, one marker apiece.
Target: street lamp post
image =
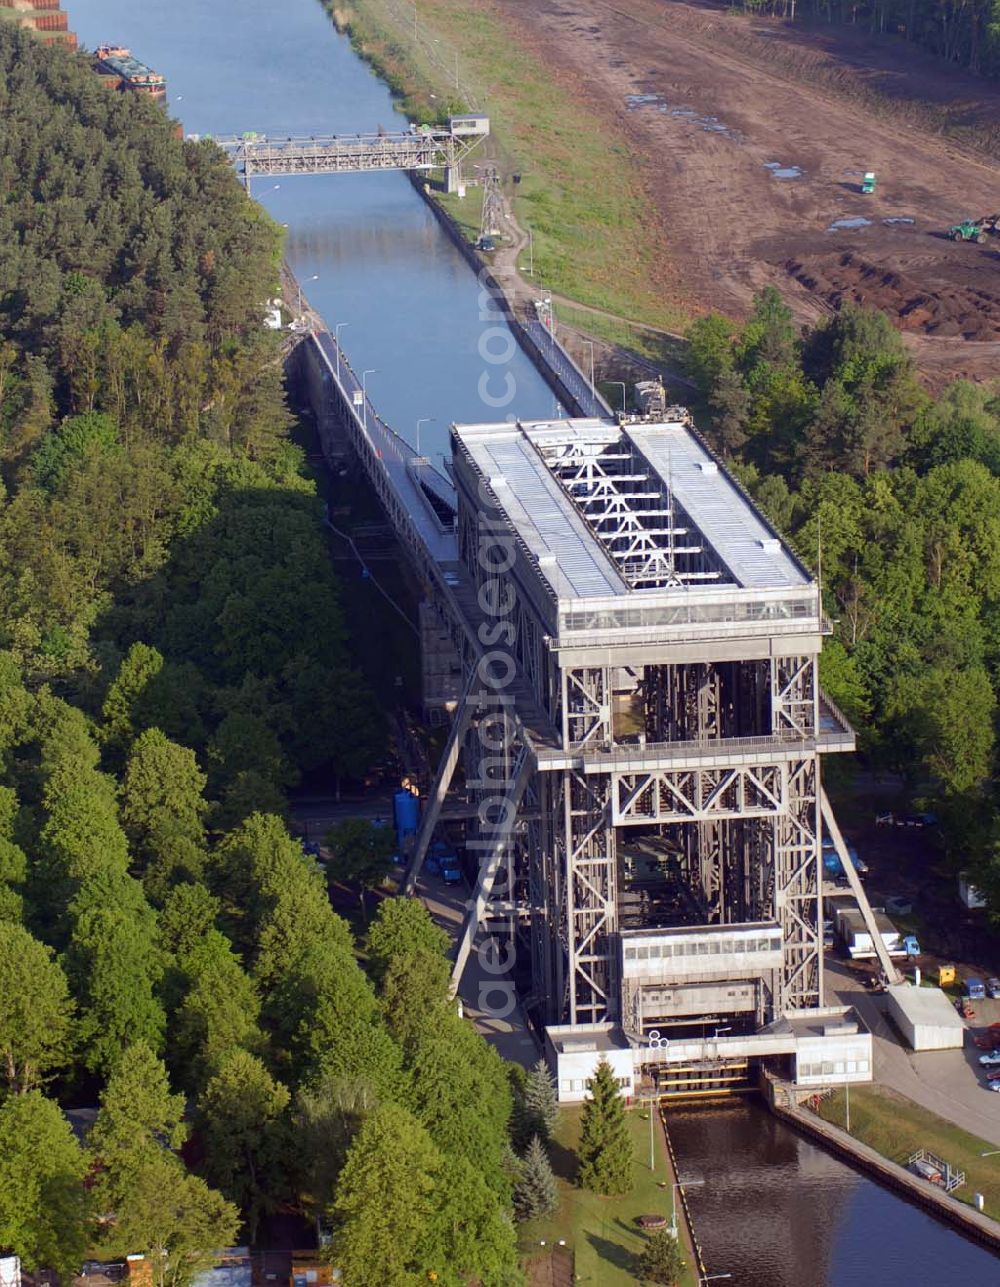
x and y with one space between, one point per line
313 278
622 383
651 1102
336 341
371 370
712 1278
531 253
679 1184
992 1153
424 420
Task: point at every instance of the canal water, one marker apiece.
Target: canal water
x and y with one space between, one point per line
775 1211
380 260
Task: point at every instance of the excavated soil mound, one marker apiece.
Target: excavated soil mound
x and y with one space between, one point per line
951 310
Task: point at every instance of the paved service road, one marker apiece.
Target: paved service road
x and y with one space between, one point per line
946 1082
483 994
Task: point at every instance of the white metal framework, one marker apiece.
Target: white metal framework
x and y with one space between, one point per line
418 148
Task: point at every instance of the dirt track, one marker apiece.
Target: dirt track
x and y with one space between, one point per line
705 119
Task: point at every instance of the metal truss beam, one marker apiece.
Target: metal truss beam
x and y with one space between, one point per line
858 890
460 726
347 154
499 848
605 485
693 795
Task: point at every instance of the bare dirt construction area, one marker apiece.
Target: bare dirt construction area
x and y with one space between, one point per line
753 138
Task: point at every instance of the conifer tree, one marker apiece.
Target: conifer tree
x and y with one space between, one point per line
535 1193
605 1152
538 1105
660 1260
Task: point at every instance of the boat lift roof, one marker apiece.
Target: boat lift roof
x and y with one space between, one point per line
610 509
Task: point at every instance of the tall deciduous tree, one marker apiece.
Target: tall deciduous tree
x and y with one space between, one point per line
114 964
138 1111
43 1202
35 1010
138 669
402 926
385 1202
172 1218
605 1151
163 809
362 854
13 860
218 1015
243 1129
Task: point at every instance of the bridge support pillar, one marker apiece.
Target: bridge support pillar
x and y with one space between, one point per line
452 178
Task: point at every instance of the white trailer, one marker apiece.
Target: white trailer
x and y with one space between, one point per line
857 938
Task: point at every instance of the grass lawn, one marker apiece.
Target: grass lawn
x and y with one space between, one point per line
896 1128
657 347
581 194
466 211
602 1231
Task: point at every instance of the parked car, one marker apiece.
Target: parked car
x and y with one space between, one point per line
917 820
885 819
993 1085
311 847
993 988
991 1060
897 905
446 862
974 989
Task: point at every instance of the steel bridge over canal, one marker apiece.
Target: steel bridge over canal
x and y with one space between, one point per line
417 148
628 655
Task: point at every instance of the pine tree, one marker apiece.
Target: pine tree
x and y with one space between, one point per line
605 1151
535 1194
660 1261
538 1107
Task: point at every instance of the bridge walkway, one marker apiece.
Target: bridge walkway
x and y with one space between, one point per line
589 403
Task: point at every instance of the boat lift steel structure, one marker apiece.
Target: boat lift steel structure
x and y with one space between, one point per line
741 789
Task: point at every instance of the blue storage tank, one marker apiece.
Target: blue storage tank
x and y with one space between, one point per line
406 811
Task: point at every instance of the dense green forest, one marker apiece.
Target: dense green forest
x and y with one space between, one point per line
895 498
966 32
172 659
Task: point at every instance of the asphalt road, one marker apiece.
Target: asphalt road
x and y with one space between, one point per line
946 1082
486 996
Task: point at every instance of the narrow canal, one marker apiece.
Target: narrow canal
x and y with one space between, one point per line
774 1210
380 260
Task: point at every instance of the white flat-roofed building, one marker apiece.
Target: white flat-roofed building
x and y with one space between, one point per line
926 1017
